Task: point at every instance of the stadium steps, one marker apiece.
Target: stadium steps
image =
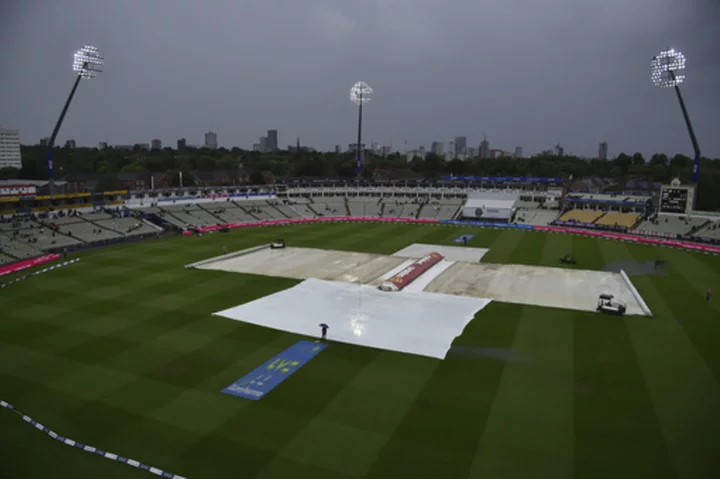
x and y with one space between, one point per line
7 257
599 218
699 227
121 234
247 212
417 215
382 209
347 207
458 212
222 221
169 213
296 211
278 210
65 234
315 210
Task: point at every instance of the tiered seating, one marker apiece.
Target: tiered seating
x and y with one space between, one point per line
357 208
536 217
304 210
667 224
5 259
614 218
328 206
232 214
18 247
371 209
408 211
127 226
711 231
287 211
581 216
183 215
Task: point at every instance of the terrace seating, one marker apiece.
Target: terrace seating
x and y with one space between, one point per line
711 231
128 226
670 224
581 216
613 218
536 217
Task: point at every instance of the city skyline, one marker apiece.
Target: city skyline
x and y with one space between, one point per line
390 41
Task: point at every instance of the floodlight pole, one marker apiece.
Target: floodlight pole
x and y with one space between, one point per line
51 141
693 139
359 138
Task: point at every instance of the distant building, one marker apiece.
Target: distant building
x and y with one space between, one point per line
497 154
472 152
603 151
181 144
211 140
387 150
263 144
338 149
437 148
102 145
45 141
376 148
10 155
272 140
485 149
518 152
411 154
123 147
156 144
451 154
353 146
70 144
559 150
142 146
256 147
460 145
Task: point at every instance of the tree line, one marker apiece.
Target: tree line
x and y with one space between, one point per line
262 167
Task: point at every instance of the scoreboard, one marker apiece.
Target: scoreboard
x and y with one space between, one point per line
676 199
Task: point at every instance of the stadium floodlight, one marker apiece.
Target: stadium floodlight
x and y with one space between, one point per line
87 63
360 93
667 71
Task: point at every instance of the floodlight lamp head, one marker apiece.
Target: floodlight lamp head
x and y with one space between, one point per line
87 62
361 93
666 69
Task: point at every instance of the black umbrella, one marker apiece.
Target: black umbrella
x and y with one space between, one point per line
323 325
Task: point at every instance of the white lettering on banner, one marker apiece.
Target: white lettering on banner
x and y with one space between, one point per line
239 389
17 190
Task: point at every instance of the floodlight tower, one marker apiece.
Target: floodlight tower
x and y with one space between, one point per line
667 71
87 63
360 94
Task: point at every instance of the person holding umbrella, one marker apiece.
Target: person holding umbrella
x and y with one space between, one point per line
324 327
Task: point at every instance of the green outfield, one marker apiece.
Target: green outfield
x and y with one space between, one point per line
120 351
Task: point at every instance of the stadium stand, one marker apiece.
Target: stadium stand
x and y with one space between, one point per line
711 231
581 216
614 218
535 216
669 225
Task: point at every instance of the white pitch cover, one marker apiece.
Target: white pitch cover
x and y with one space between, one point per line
408 322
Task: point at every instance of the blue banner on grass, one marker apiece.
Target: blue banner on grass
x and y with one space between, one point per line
464 238
262 380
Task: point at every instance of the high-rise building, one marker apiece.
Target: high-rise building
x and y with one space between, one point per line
451 153
45 141
603 151
156 144
211 140
338 149
518 152
10 155
256 147
263 144
181 144
460 145
559 150
485 149
272 140
102 145
472 152
70 144
437 148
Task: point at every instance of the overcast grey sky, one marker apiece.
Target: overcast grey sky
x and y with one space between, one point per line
525 72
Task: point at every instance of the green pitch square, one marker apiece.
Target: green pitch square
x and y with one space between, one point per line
282 467
154 442
181 341
336 447
139 330
366 410
47 369
190 369
141 395
98 349
172 319
38 311
97 422
14 357
91 382
48 406
197 411
100 326
59 340
99 307
216 457
272 428
140 360
26 332
12 387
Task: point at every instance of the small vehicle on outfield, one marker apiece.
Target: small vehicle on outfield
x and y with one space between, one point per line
278 244
568 259
608 304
